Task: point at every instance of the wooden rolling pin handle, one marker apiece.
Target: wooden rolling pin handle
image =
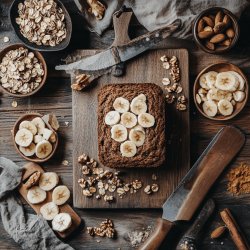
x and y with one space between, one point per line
155 240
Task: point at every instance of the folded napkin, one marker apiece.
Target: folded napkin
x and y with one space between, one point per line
28 230
156 14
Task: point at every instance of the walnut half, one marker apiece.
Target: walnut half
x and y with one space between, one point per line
96 8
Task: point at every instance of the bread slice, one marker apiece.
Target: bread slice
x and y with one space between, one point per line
152 153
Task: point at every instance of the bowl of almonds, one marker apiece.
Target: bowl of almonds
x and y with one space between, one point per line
22 71
34 137
44 25
220 91
216 30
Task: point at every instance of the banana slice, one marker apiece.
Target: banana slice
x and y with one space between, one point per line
49 210
119 133
39 123
239 96
226 81
48 181
47 133
37 138
240 80
203 82
112 118
198 98
23 137
36 195
138 106
210 108
139 128
43 149
28 151
61 222
137 137
142 97
146 120
202 91
211 78
225 107
28 125
60 195
121 105
212 94
128 120
128 149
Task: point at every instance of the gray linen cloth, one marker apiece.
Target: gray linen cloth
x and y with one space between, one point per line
28 230
154 14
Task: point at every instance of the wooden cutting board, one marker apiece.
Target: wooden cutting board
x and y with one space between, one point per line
31 168
145 69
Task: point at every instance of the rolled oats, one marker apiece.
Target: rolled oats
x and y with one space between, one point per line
6 39
42 22
20 73
147 189
154 188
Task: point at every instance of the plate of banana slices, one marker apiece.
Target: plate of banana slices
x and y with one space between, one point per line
45 193
34 138
220 91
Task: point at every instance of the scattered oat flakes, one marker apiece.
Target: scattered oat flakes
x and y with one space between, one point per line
166 81
65 163
66 123
154 187
147 189
154 177
137 237
6 39
14 104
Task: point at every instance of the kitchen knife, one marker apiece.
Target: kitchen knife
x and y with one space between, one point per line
122 53
184 201
190 238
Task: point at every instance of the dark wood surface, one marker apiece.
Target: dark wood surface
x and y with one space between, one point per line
56 97
31 168
85 106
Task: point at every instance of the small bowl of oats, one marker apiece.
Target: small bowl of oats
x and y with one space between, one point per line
44 25
22 71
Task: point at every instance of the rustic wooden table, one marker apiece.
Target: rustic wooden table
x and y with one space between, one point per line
56 97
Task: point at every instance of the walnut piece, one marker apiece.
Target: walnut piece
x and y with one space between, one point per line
81 82
33 180
96 8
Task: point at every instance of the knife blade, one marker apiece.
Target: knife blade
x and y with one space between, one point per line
118 54
184 201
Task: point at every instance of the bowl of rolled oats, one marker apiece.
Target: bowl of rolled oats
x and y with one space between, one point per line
22 71
44 25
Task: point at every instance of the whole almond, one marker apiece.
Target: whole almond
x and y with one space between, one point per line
226 20
200 26
226 42
230 33
218 232
205 34
218 17
208 28
208 21
209 45
219 27
218 38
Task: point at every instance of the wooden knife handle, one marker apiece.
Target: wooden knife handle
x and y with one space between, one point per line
162 228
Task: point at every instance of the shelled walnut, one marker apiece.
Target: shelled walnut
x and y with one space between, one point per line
96 8
105 229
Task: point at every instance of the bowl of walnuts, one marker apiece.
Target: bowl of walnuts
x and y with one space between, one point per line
23 72
44 25
216 30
